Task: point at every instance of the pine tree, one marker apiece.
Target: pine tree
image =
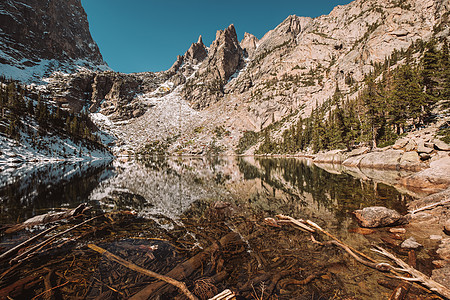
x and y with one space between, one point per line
430 66
374 108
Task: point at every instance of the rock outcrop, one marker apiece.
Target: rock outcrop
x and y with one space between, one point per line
196 53
435 178
225 57
41 37
249 44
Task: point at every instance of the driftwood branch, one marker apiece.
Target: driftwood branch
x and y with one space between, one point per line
13 250
417 276
129 265
49 218
430 206
49 240
299 223
185 269
379 266
225 295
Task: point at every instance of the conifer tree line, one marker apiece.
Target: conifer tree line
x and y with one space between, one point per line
20 108
392 102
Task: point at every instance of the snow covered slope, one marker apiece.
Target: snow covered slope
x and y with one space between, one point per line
40 37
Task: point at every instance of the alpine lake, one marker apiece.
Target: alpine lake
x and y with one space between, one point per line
157 212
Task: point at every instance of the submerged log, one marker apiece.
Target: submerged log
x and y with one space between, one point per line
47 241
132 266
185 269
48 218
15 249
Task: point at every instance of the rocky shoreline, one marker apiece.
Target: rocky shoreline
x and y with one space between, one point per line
421 166
429 160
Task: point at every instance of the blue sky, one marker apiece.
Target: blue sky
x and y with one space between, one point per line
147 35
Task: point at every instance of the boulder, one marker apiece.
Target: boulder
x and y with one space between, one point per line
358 151
423 149
378 216
440 145
411 146
353 161
400 143
333 156
410 243
411 161
437 177
389 159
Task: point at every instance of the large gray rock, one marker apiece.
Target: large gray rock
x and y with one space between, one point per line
440 145
437 177
423 149
411 161
389 159
378 216
333 157
358 151
411 146
400 143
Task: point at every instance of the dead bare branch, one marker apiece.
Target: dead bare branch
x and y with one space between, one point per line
169 280
416 274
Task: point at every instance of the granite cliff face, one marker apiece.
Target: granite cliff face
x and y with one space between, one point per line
39 37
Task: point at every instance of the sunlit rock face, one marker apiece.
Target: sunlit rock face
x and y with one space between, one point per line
39 37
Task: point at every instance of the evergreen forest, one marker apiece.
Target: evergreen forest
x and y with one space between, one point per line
399 95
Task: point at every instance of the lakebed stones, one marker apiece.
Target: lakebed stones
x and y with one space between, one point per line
378 216
410 243
397 230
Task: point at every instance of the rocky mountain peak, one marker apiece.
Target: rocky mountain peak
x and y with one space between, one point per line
196 53
249 43
39 37
225 53
225 57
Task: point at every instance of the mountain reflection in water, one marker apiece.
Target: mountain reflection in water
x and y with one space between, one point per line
168 186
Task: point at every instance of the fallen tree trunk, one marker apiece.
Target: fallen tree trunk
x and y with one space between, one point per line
48 218
132 266
13 250
184 270
49 240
